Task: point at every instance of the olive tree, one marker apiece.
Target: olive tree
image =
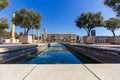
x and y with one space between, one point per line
4 4
112 24
27 19
114 4
3 25
89 20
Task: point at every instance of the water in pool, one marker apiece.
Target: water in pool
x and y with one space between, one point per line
55 54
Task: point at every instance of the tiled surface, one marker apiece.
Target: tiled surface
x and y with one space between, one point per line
60 72
14 72
106 71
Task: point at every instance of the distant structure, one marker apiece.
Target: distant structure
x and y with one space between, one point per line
78 39
102 39
44 35
12 39
59 37
93 33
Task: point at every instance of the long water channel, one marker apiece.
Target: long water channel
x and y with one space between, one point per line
55 54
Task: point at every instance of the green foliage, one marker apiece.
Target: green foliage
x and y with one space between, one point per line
7 35
3 25
112 24
88 21
21 33
114 4
27 19
4 4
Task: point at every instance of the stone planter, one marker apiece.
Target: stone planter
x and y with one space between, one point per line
114 40
89 39
25 39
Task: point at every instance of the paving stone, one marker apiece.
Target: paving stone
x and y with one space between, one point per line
14 72
60 72
106 71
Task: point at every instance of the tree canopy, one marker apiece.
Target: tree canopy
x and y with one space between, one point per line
89 20
4 4
112 24
27 19
114 4
3 21
3 25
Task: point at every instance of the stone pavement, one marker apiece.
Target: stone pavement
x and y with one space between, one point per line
60 72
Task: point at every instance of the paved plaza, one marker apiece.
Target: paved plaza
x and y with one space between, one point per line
60 72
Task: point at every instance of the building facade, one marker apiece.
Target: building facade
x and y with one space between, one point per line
61 37
98 39
102 39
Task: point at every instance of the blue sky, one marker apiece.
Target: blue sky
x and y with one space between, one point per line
60 15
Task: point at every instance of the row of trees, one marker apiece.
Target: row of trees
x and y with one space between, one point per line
4 4
27 20
89 20
24 18
3 21
113 24
3 25
7 35
114 4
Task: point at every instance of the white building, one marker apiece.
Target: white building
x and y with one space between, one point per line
61 37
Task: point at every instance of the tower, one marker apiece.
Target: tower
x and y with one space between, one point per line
44 35
12 39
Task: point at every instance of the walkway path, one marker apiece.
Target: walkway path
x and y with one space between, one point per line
60 72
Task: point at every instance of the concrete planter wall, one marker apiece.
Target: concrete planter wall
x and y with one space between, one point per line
89 39
95 54
114 40
13 54
25 39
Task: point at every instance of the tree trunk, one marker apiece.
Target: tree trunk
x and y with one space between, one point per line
88 32
26 30
38 34
33 33
1 32
113 32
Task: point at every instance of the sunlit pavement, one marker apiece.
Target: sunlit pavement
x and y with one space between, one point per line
60 72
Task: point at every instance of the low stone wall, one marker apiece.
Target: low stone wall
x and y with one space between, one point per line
25 39
114 40
11 54
98 54
89 39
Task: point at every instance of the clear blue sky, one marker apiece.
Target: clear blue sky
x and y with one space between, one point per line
60 15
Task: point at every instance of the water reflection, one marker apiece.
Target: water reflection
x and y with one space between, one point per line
57 49
56 54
